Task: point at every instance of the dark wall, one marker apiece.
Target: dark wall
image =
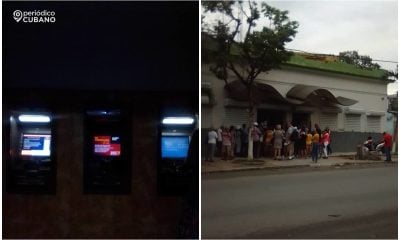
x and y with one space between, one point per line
348 141
146 46
139 56
71 214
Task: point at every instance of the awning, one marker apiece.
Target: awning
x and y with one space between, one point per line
316 94
261 92
298 95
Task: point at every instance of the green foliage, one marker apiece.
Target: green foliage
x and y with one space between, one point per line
337 67
209 54
218 6
394 74
258 50
362 61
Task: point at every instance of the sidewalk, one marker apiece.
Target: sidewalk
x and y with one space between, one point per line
242 164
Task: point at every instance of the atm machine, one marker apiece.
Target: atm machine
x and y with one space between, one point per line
31 163
107 152
174 176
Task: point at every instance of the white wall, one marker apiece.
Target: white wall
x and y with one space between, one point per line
370 93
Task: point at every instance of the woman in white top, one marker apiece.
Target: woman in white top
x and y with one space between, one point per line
212 142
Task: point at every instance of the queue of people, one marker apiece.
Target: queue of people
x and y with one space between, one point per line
277 142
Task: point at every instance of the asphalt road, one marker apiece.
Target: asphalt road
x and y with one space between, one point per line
347 203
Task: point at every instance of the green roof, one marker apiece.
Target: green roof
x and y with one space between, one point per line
299 60
335 66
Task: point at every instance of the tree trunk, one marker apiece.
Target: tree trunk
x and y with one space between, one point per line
251 121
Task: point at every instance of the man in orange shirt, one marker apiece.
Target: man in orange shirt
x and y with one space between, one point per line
387 138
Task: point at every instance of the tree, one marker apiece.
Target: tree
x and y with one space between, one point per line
243 50
350 57
362 61
393 74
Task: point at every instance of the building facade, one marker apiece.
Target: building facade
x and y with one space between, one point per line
352 106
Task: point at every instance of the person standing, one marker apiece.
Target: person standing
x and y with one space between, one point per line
296 141
325 142
319 131
255 134
387 138
238 141
315 146
245 140
263 130
212 142
219 141
290 141
268 137
226 144
302 144
278 140
308 143
233 141
330 141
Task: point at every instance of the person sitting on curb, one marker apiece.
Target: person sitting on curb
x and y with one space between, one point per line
367 146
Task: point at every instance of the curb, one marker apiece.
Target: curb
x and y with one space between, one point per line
255 168
295 166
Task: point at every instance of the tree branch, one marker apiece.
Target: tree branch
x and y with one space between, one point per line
234 70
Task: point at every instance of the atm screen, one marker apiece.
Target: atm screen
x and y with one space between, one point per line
107 145
174 146
36 145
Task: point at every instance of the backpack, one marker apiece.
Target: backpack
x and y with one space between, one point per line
294 136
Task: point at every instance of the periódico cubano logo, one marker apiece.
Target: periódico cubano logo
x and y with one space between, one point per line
35 16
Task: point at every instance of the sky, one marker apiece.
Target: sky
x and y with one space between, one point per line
330 27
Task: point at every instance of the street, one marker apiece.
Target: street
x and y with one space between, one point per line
339 203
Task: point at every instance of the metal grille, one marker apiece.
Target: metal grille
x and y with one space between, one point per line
235 116
328 120
352 122
373 124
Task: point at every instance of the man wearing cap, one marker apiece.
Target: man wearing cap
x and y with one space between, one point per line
256 133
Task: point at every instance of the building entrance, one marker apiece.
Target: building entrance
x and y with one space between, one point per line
301 120
273 117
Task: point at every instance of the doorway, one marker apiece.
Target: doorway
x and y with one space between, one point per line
273 117
301 120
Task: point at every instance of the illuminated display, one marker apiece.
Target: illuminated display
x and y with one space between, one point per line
36 145
178 120
107 145
174 146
